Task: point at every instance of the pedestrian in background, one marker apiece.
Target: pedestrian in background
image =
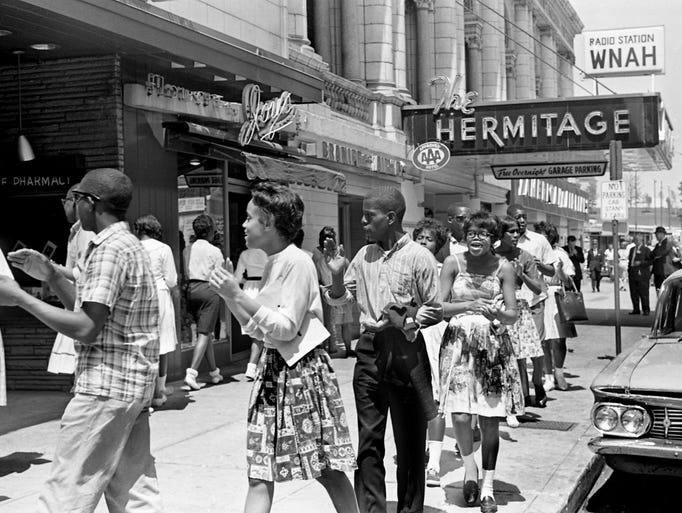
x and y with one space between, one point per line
103 446
63 354
457 216
395 283
523 333
536 244
296 420
639 276
338 319
201 259
595 262
148 229
431 234
478 369
623 253
556 332
249 272
662 257
575 253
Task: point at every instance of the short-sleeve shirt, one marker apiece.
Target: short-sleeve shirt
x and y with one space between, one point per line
163 263
121 363
204 257
77 244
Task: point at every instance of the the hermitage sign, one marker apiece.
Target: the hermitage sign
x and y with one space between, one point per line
585 123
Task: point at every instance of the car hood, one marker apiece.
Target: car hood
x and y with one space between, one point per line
653 365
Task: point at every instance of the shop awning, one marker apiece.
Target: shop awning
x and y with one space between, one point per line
281 170
140 30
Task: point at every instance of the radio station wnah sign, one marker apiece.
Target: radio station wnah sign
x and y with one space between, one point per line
430 156
559 170
630 51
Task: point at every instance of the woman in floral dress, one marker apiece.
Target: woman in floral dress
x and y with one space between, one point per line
523 333
478 371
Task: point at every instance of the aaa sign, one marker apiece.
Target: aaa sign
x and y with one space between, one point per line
430 156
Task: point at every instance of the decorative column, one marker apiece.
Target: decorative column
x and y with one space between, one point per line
297 24
525 79
550 86
399 46
426 69
510 62
493 53
566 70
379 44
473 41
460 35
322 23
445 38
350 42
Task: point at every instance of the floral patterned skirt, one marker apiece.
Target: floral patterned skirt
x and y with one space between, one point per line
297 424
478 370
523 333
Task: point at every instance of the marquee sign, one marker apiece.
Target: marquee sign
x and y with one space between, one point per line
630 51
557 170
262 120
585 123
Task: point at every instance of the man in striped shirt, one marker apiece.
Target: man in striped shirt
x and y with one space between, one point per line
103 445
395 283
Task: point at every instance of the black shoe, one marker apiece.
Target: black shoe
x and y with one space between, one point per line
646 313
540 397
527 401
488 505
351 354
470 492
634 312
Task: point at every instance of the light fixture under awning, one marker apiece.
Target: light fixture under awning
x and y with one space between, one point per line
280 170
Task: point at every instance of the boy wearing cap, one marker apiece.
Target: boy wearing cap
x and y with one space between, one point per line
662 256
103 445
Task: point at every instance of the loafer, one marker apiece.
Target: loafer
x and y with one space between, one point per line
470 492
633 313
488 504
540 397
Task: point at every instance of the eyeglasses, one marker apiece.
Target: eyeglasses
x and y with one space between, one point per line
77 195
478 235
67 199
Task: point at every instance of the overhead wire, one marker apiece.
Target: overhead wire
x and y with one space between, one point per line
532 52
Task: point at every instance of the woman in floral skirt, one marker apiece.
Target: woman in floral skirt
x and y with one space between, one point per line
478 371
297 425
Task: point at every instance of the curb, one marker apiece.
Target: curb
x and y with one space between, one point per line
584 484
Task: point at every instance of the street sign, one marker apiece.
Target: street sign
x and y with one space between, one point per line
430 156
614 201
204 180
555 170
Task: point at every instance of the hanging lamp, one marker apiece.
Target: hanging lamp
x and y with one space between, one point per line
24 150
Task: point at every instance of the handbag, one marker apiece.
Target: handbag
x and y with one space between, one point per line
570 304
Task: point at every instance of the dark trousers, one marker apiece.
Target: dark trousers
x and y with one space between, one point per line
577 280
394 374
639 292
595 278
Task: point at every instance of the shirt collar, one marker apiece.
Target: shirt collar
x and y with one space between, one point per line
109 231
400 243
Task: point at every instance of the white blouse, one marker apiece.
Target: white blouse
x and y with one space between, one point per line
163 264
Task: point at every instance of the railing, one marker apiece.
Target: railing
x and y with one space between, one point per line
347 97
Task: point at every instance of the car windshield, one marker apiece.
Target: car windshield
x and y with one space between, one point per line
668 319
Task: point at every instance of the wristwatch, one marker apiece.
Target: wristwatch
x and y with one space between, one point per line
411 324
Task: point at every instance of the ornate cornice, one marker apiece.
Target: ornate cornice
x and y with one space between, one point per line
472 33
510 62
425 4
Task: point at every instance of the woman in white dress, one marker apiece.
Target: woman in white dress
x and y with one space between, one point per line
556 332
148 229
249 272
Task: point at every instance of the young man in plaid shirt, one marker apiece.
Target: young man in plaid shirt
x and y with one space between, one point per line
103 445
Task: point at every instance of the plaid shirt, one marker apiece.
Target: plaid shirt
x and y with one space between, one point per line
121 363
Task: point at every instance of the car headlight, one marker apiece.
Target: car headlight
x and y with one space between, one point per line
615 419
605 418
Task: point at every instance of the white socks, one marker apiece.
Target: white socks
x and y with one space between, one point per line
435 448
487 485
470 467
161 384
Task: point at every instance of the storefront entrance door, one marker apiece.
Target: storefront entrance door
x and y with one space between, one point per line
238 197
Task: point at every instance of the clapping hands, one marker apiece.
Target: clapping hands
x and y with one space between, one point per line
224 282
33 263
334 256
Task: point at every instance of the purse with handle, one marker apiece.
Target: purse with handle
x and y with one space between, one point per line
570 304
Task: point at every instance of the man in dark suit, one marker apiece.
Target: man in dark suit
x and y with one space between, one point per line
575 253
595 262
639 274
662 257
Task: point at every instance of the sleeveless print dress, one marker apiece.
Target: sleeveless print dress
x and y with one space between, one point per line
478 370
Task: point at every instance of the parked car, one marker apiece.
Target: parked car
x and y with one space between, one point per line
638 396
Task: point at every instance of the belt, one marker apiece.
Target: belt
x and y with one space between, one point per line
253 278
198 281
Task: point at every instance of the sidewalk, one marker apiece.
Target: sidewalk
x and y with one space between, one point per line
198 440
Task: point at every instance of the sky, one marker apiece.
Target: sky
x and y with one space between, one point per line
614 14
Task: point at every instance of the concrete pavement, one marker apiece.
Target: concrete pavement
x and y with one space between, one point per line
198 440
